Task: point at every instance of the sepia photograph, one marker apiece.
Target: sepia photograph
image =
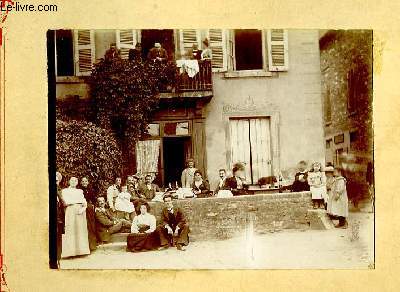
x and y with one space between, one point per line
211 149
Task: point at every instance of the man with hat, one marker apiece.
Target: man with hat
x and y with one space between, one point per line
157 53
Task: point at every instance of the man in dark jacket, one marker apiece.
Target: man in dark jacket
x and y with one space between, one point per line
174 229
106 223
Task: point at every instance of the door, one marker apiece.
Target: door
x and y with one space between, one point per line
175 152
251 145
163 36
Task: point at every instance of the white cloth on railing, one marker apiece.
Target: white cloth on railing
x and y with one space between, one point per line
189 66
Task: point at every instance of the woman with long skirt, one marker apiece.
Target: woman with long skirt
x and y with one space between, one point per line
75 239
143 231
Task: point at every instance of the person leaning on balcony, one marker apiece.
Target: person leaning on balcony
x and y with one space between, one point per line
200 187
188 174
237 184
206 54
136 53
196 53
157 53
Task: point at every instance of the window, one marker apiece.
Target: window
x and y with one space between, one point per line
176 129
328 144
248 49
339 139
64 52
251 145
75 52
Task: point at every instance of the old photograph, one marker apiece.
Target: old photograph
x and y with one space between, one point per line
211 148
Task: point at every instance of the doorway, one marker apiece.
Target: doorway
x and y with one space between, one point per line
175 152
163 36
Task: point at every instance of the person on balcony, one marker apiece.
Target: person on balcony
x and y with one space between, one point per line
106 223
136 53
173 230
187 176
148 189
157 53
206 54
196 53
200 187
237 184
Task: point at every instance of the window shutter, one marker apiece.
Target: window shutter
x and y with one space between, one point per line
84 51
231 50
217 41
125 40
187 38
278 50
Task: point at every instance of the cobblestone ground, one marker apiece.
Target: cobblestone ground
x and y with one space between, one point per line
350 248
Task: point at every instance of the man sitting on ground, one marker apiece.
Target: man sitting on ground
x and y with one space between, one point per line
106 223
173 229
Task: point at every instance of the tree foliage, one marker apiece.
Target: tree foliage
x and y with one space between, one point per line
125 93
83 149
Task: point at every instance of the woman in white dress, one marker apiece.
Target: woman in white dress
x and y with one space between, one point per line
143 231
75 238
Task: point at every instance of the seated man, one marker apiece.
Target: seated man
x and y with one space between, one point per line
148 190
106 223
173 229
221 182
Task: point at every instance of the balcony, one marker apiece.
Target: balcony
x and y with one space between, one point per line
198 86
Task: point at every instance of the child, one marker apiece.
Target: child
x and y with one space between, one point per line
340 205
329 184
317 181
123 203
300 183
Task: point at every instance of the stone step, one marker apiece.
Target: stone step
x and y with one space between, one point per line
119 237
319 220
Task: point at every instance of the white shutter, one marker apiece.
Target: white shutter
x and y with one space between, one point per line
260 148
84 51
188 37
240 144
126 39
230 51
278 58
217 41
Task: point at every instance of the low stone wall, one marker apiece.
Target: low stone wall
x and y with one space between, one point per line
221 218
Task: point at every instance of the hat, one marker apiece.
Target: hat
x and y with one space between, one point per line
329 169
157 45
205 42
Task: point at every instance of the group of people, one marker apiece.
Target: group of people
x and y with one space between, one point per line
328 189
84 219
158 53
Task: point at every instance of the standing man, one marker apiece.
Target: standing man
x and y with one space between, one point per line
90 197
173 229
148 190
222 178
112 193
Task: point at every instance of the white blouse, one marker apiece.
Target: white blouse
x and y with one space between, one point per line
73 196
141 219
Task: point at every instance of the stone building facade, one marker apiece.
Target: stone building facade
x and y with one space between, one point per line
346 66
264 107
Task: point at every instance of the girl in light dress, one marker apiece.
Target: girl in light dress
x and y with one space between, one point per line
123 203
317 181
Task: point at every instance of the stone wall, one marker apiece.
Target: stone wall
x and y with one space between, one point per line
222 218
